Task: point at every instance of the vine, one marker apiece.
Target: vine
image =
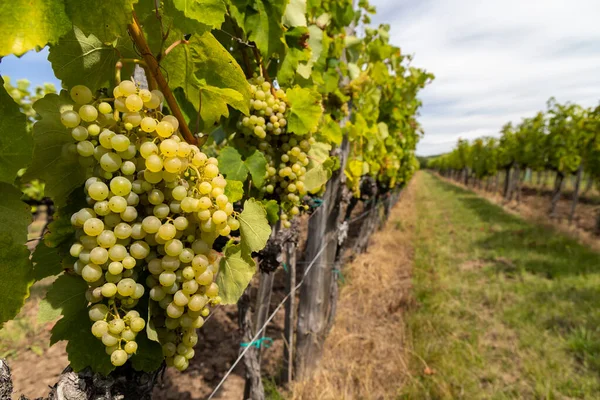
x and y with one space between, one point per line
267 89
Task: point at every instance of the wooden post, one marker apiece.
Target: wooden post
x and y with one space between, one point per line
290 315
253 388
314 294
576 193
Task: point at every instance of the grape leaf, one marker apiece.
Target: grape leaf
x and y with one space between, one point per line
296 52
65 297
16 144
234 190
205 70
305 110
208 12
46 261
254 227
231 164
78 59
257 166
317 175
263 25
236 270
149 356
107 19
15 266
51 163
295 13
330 130
83 349
272 209
315 42
315 178
31 25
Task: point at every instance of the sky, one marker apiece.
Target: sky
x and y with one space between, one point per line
495 61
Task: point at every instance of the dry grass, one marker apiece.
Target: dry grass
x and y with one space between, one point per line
365 356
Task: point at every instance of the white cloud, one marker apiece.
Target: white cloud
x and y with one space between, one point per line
495 61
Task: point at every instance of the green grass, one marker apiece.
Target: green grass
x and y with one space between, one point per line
505 309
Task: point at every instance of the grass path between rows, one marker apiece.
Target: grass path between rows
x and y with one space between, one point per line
505 309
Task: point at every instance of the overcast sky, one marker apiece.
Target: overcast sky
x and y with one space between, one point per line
495 60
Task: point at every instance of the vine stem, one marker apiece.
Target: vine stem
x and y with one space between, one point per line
140 42
263 70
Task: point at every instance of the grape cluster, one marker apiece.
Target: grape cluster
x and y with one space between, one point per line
286 152
156 205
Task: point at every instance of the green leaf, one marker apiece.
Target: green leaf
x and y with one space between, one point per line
236 270
315 43
305 110
78 59
149 356
46 261
315 179
272 209
16 145
207 12
331 130
234 190
296 53
254 227
106 19
31 25
61 172
60 231
295 13
257 166
65 297
83 349
263 25
15 266
231 164
205 70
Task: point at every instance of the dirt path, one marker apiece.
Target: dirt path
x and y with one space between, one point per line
364 356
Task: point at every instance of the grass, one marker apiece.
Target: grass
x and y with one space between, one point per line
505 309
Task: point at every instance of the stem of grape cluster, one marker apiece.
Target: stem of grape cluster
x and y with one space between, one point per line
140 42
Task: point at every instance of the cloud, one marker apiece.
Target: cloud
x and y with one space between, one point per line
495 62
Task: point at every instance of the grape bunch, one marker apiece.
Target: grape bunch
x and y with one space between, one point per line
156 205
286 152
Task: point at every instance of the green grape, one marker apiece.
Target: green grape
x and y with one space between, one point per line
154 101
164 129
116 326
104 107
85 148
115 268
127 88
172 120
118 357
131 347
111 162
134 103
99 328
98 312
88 113
126 287
154 163
93 227
99 255
80 133
117 204
81 94
117 252
120 143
